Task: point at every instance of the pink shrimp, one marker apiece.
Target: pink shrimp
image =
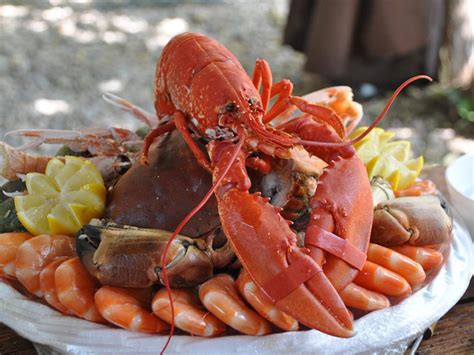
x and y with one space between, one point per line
219 295
188 313
262 304
358 297
76 289
428 258
9 244
35 253
377 278
124 308
48 285
398 263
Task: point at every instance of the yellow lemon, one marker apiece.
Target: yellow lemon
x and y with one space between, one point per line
388 159
60 201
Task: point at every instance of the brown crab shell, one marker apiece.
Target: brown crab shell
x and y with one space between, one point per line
159 195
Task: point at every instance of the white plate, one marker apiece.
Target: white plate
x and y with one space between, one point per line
387 330
460 179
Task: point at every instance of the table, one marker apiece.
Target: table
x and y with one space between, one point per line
454 333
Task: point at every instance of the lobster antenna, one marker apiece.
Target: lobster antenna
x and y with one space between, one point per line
181 225
374 124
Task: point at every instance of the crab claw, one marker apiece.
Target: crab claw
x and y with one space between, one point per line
418 221
266 247
131 257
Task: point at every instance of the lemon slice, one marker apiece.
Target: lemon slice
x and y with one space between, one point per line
388 159
60 201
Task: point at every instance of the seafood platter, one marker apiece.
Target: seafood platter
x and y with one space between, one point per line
239 214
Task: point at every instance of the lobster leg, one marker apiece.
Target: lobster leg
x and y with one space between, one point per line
267 249
263 75
182 127
150 138
283 88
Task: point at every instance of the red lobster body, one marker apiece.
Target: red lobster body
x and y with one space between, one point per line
205 88
203 79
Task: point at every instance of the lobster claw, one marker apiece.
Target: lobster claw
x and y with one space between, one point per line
266 247
419 221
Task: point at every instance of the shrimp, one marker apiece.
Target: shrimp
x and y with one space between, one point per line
48 285
398 263
428 258
9 244
377 278
35 253
76 289
418 188
123 308
188 313
262 305
358 297
14 162
219 295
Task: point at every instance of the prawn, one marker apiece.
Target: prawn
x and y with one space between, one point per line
9 244
76 288
124 308
219 295
35 253
188 313
48 285
262 304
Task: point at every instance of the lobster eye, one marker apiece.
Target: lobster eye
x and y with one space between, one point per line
230 107
250 101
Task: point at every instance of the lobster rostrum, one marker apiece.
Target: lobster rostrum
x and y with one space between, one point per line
203 87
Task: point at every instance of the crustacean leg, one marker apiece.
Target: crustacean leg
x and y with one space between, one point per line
188 314
182 127
106 252
286 101
418 221
129 309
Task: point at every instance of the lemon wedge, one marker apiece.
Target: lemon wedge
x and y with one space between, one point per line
60 201
388 159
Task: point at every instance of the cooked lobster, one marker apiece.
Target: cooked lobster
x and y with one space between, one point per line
209 95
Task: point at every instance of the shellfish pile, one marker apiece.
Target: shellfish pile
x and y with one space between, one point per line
230 215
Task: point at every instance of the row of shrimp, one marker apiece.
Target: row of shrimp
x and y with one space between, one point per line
48 268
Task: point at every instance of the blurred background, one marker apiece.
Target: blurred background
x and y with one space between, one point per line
58 57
